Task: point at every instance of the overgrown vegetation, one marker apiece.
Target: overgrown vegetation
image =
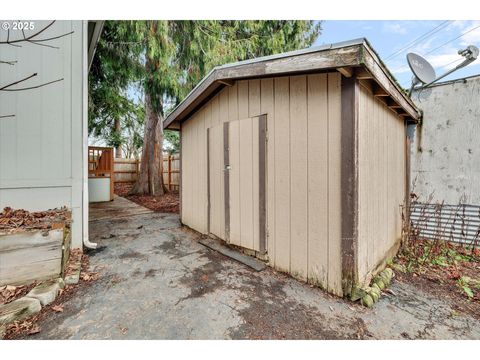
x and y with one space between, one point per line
454 266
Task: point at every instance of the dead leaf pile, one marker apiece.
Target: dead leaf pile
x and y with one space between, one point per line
166 203
31 325
14 220
89 276
8 293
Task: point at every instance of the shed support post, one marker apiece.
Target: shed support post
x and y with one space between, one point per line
226 179
180 188
349 184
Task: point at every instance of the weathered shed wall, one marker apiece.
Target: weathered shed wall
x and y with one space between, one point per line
381 181
41 147
303 168
446 148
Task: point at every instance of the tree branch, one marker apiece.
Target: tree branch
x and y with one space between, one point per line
34 87
32 38
8 62
17 82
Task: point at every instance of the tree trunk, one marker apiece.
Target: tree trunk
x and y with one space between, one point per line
118 130
150 179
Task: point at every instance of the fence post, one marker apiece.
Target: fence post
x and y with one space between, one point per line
170 172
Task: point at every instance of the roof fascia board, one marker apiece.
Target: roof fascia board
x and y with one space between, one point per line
353 53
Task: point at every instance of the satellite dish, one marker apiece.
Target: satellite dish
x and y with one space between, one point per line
421 68
424 73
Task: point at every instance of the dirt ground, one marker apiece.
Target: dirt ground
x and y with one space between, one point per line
167 203
156 281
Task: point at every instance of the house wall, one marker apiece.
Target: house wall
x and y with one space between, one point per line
381 182
303 168
41 148
445 149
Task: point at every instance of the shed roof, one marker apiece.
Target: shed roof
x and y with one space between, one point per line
351 58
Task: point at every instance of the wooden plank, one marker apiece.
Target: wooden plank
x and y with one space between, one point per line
262 184
233 103
282 174
243 105
298 176
226 178
223 99
349 184
363 186
235 180
249 261
362 74
334 184
215 111
267 107
209 179
345 71
372 64
246 183
216 161
326 59
29 256
317 180
254 112
254 98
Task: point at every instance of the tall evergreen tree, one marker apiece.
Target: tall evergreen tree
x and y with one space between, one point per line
176 55
113 73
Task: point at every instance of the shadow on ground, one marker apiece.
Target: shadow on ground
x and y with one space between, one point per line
158 282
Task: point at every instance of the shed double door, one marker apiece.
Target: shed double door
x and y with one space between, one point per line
237 182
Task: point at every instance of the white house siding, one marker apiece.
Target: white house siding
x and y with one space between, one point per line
41 148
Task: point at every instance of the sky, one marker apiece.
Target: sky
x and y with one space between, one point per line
394 39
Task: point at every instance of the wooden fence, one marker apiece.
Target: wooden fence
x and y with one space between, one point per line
126 171
101 165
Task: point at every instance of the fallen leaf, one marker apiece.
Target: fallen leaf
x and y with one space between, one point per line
34 330
390 291
57 308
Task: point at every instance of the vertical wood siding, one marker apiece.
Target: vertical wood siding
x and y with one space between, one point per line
381 187
303 170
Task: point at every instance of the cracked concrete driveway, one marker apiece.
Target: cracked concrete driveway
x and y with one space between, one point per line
158 282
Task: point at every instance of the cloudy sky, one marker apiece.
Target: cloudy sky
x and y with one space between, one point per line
436 40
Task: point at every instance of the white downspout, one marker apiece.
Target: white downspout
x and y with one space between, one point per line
85 203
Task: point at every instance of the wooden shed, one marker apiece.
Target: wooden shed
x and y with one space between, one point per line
300 158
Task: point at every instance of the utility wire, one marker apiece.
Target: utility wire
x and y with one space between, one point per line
422 37
449 41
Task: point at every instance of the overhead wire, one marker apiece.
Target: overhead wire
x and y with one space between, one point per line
449 41
420 38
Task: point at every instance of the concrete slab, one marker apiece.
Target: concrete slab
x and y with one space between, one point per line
158 282
250 261
18 310
47 291
118 208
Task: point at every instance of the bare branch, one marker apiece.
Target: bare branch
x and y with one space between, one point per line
6 116
34 87
8 41
17 82
33 38
45 45
54 37
8 62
